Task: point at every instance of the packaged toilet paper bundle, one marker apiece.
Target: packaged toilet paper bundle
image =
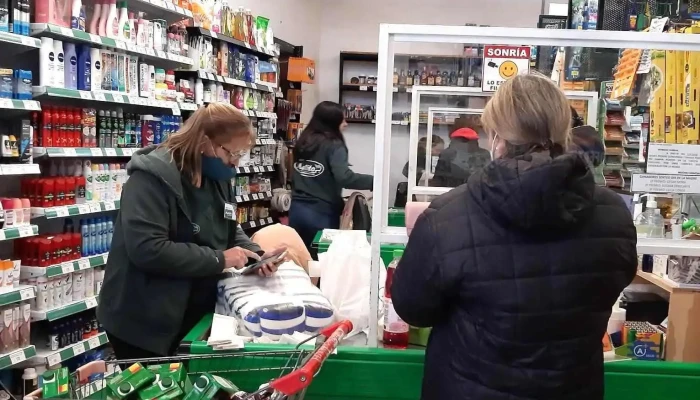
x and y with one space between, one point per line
284 303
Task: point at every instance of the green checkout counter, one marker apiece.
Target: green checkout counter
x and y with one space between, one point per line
382 374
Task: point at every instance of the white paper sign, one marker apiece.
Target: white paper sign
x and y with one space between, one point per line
669 158
658 183
17 357
502 63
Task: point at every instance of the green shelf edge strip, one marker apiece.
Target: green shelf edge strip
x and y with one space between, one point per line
17 356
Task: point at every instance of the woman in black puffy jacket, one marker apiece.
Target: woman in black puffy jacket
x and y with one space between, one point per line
518 269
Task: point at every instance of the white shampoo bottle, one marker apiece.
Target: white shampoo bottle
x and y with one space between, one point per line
47 62
58 71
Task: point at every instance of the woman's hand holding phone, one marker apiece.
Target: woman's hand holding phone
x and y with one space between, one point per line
237 257
270 268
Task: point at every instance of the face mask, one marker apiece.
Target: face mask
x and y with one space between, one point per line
214 168
493 147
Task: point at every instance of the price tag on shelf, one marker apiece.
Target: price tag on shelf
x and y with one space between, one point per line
404 123
69 152
110 152
66 32
118 98
91 302
269 220
409 90
109 206
85 95
363 88
61 211
255 196
150 51
253 224
53 359
214 35
395 89
132 47
396 122
96 152
83 263
6 103
128 152
83 209
67 267
161 54
27 41
120 45
94 342
95 207
239 199
78 349
99 96
31 105
95 38
104 258
26 294
176 110
25 231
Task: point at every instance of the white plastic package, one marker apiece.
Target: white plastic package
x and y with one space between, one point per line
284 303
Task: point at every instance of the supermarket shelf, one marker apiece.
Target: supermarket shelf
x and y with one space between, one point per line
681 247
16 357
251 170
253 197
250 113
195 31
82 152
402 123
202 74
73 210
667 284
25 42
11 295
51 358
19 105
66 267
187 106
108 97
348 87
159 9
18 232
257 223
65 310
19 169
260 142
162 58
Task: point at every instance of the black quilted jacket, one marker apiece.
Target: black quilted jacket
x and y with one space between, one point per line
517 272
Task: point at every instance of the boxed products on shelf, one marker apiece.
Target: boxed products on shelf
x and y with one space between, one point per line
15 84
14 212
14 327
16 140
16 17
246 185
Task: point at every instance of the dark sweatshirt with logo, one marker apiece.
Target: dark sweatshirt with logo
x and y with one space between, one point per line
321 177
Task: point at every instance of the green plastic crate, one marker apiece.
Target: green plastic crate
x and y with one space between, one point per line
363 373
387 249
397 217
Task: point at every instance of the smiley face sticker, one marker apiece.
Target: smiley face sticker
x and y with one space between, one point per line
508 69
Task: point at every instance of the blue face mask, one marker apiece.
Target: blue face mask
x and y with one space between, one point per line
214 168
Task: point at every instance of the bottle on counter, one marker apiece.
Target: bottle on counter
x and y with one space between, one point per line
395 334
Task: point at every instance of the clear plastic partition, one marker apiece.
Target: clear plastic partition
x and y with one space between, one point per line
454 70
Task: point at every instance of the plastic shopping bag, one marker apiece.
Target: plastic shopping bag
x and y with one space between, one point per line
345 278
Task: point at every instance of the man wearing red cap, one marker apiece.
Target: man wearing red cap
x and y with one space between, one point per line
463 156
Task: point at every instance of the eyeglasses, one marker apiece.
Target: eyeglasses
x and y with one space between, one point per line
235 155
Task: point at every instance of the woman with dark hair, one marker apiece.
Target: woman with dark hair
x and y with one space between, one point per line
321 172
437 147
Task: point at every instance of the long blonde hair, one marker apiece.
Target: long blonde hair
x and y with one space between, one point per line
215 121
529 110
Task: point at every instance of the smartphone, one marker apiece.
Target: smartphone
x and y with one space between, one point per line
254 267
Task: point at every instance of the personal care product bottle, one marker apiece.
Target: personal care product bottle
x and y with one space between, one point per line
95 69
59 70
141 31
112 21
144 80
82 24
152 80
95 18
75 14
650 223
124 27
199 92
132 28
47 62
395 329
70 71
84 68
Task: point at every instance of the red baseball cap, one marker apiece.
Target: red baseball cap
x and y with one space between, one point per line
466 133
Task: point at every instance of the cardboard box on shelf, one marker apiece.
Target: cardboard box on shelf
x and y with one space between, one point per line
657 117
692 92
671 97
681 130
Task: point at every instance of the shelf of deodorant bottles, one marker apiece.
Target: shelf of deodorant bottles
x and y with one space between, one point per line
75 209
18 232
199 31
65 310
256 223
104 96
54 357
17 356
19 169
67 267
161 58
83 152
160 9
262 86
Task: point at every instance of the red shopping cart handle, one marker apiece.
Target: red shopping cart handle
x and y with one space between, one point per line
296 381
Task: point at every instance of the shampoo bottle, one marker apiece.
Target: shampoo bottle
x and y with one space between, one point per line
104 14
75 14
47 62
141 31
95 18
132 28
84 69
199 92
58 75
70 71
95 69
123 23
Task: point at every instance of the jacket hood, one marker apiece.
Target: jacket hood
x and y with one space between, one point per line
466 133
535 191
157 162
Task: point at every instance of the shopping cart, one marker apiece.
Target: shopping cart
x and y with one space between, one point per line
295 369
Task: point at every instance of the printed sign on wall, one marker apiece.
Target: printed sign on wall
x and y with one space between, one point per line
502 63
